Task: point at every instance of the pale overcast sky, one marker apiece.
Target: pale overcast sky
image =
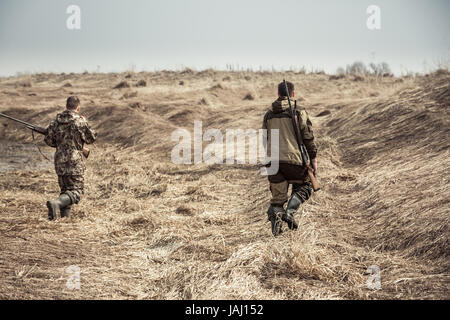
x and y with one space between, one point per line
171 34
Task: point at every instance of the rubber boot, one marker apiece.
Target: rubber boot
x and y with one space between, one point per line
65 212
57 204
292 206
274 214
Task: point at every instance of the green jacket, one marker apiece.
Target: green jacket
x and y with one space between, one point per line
68 133
278 117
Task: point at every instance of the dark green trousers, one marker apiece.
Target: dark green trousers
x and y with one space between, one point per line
73 186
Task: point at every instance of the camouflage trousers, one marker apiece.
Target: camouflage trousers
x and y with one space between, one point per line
73 186
289 174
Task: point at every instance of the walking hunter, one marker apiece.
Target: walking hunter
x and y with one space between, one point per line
297 158
68 133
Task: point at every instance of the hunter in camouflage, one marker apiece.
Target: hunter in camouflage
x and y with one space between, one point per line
291 169
68 133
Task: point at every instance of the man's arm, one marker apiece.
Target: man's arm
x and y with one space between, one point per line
89 135
50 136
308 140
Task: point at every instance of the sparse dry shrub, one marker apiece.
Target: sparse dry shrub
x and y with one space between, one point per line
218 86
128 95
188 71
140 222
121 85
158 189
337 77
184 210
441 72
206 73
357 68
136 105
323 113
249 96
380 69
141 83
358 78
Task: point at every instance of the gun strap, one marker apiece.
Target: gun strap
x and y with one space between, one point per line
300 135
32 134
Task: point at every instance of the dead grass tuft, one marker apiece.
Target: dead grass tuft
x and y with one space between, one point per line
121 85
249 96
141 83
337 77
128 95
184 210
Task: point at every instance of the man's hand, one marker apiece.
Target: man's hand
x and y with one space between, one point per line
314 165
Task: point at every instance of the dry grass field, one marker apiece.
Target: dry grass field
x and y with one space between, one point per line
150 229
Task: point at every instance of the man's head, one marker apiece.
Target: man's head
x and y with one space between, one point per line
282 89
73 103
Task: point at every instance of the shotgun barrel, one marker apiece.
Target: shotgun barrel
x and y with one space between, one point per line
301 146
28 125
40 130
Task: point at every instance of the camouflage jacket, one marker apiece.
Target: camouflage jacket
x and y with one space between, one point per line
278 117
68 133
